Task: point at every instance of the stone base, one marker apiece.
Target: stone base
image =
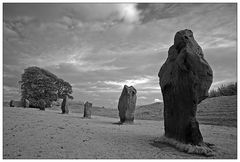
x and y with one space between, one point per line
87 117
126 122
205 149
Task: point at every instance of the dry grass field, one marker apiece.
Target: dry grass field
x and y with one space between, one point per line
213 111
35 134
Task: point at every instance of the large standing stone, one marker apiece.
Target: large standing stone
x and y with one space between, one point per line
87 110
185 79
64 105
127 104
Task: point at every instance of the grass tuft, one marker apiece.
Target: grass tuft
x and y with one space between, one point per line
188 148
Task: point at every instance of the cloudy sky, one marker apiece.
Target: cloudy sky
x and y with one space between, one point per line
98 48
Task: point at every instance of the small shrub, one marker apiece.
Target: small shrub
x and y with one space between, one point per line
224 90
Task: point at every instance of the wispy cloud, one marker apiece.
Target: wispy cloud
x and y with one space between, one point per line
154 11
130 82
98 48
142 98
158 100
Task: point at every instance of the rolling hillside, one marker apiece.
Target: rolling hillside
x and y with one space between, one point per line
214 111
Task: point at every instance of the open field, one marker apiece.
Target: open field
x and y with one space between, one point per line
214 111
31 133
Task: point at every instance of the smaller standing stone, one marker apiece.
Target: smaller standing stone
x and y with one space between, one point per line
42 104
87 110
127 104
11 103
16 103
25 103
64 105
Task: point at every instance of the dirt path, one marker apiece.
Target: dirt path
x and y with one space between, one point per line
31 134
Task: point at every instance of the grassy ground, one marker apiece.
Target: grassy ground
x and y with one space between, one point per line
35 134
213 111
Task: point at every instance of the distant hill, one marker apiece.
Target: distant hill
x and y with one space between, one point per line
152 111
218 111
215 111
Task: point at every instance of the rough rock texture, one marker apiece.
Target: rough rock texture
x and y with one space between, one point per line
127 104
87 110
64 105
185 79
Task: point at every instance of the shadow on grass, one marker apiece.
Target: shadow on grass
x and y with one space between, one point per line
85 117
124 123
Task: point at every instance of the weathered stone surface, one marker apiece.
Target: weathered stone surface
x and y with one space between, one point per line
185 79
64 105
127 104
87 110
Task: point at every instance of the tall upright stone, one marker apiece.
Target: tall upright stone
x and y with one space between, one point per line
11 103
25 103
185 79
127 104
64 106
87 110
41 104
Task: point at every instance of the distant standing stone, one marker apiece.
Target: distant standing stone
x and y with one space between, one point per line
87 110
16 103
127 104
25 103
42 104
64 105
185 79
11 103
